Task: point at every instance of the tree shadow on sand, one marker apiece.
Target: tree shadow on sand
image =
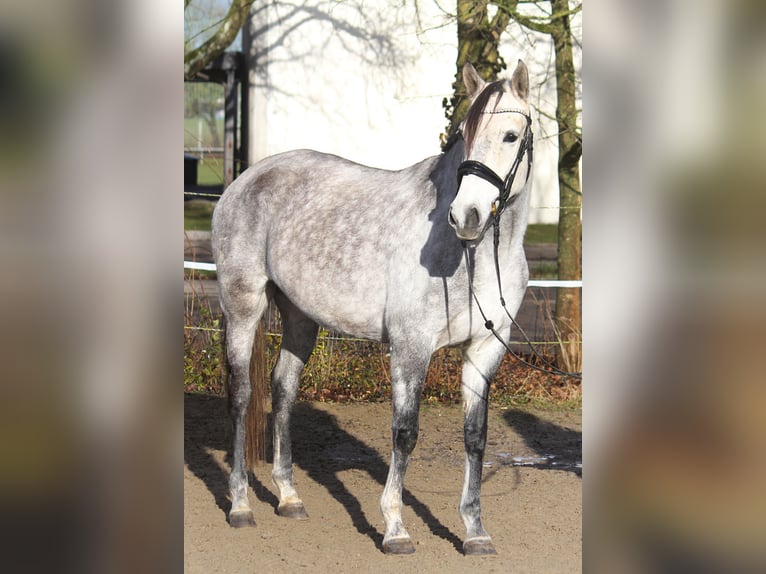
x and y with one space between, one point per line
320 447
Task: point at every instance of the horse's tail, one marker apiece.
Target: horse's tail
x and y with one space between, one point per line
255 424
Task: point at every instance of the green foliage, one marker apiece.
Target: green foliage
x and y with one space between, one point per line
342 370
352 370
204 364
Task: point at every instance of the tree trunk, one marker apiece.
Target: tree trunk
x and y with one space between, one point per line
478 39
568 301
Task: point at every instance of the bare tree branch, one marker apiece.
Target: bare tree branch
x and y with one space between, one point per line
198 58
536 24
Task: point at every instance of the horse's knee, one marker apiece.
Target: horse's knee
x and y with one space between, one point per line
239 394
475 436
405 438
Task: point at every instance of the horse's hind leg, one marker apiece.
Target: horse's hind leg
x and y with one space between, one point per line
298 339
243 303
408 371
481 360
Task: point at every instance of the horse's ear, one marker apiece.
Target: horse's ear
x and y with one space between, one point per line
472 80
520 81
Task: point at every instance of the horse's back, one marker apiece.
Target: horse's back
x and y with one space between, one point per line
285 183
326 231
262 195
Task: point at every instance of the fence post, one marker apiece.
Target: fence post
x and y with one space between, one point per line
229 129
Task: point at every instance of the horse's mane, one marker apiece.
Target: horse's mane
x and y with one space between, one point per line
473 117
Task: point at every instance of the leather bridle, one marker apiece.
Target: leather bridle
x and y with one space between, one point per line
472 167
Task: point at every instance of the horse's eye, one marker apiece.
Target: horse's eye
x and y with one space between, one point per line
510 137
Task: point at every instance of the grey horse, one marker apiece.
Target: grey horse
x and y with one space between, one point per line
400 257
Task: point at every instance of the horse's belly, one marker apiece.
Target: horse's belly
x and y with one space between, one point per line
354 318
342 304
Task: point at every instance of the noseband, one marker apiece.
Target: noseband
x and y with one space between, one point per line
471 167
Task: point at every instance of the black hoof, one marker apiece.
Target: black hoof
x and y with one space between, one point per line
479 547
398 546
241 519
294 511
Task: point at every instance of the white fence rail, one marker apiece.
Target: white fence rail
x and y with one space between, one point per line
532 282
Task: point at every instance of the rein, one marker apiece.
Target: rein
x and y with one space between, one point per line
471 167
490 326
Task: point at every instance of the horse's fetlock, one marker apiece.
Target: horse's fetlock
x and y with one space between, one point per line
282 476
470 510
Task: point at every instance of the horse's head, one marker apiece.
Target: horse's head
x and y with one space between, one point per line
498 150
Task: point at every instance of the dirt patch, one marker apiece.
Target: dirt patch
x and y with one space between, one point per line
531 496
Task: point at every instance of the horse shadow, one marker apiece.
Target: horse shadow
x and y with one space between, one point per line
320 447
556 447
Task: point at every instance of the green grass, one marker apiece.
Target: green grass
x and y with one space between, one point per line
543 270
210 168
197 214
542 233
210 171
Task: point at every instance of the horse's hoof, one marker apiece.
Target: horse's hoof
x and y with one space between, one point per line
296 511
398 546
241 518
479 547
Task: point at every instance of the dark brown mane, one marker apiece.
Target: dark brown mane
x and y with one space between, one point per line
473 117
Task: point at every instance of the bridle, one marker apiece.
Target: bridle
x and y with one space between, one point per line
472 167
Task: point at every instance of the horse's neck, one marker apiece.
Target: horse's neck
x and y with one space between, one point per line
510 260
453 157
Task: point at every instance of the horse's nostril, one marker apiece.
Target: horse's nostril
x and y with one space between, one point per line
472 221
452 221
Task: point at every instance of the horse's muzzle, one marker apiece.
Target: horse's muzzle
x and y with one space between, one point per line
467 223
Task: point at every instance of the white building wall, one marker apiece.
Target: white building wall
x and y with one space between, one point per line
365 79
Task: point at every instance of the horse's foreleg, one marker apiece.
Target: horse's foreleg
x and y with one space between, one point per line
299 337
480 362
407 383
